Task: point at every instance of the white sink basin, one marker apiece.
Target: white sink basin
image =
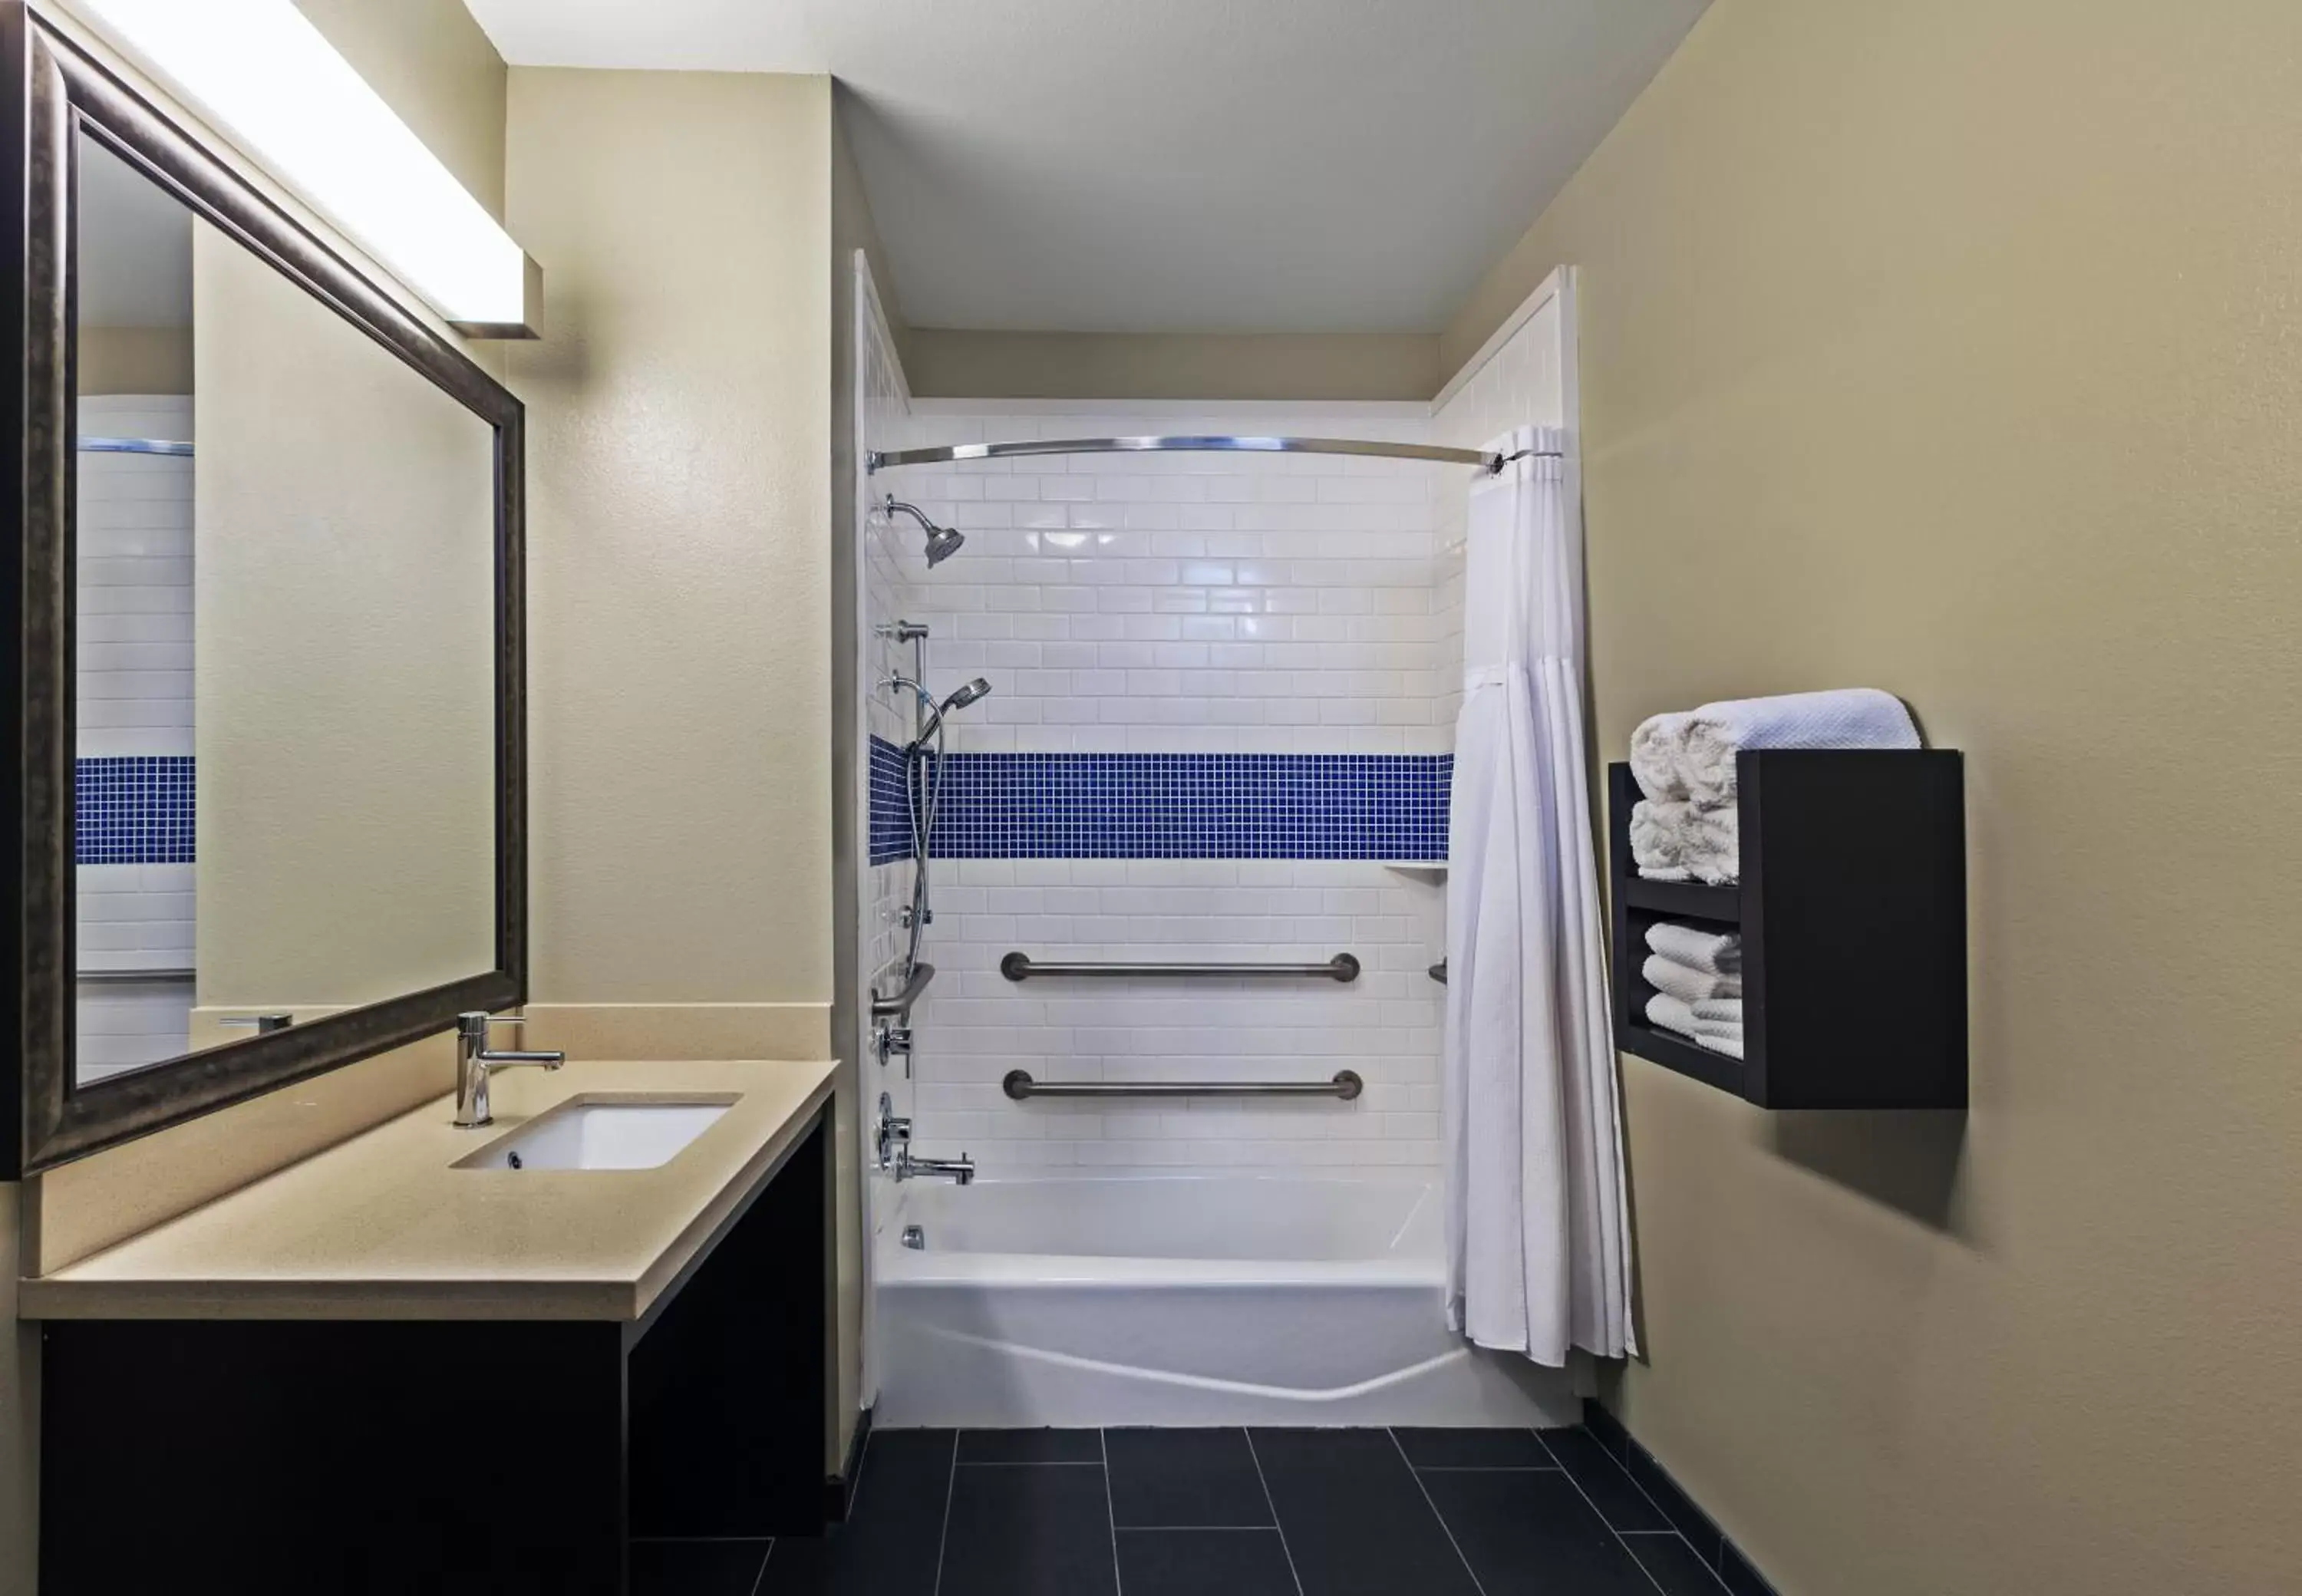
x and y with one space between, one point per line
603 1133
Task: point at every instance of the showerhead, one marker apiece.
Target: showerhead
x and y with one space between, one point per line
943 542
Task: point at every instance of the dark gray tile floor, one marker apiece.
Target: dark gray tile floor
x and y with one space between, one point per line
1216 1512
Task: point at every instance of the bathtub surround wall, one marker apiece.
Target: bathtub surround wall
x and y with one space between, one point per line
1950 348
1177 643
135 789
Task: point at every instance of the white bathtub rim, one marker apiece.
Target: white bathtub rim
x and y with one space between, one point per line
901 1267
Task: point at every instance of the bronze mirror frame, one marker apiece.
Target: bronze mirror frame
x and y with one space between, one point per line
51 92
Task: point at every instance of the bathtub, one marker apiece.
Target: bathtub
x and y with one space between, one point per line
1181 1300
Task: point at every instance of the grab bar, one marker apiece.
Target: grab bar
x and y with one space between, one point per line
900 1004
1017 967
1346 1085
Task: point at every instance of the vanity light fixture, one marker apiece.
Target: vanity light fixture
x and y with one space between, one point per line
269 81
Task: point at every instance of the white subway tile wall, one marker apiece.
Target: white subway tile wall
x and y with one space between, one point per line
1176 604
126 1025
1183 604
135 581
976 1025
134 686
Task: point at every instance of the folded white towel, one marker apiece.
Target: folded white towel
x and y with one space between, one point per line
1714 953
1655 755
1676 1016
1672 840
1692 985
1842 717
1715 1012
1665 1013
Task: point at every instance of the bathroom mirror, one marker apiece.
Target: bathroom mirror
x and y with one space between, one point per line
269 627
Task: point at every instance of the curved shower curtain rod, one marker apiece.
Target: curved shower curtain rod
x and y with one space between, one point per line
1490 463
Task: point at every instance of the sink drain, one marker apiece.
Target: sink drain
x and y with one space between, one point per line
915 1238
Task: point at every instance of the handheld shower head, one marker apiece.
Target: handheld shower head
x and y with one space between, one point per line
943 542
961 697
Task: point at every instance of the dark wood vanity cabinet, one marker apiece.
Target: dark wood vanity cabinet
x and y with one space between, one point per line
396 1457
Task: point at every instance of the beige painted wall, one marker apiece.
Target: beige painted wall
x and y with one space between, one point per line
941 363
678 532
134 360
344 637
1952 349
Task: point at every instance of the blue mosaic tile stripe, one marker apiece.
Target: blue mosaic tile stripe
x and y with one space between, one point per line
891 828
134 810
1178 806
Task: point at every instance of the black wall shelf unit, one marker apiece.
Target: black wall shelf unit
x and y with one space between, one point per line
1852 907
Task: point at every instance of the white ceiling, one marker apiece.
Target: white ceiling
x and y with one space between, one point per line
1173 165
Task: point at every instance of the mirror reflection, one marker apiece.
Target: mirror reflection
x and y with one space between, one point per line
285 643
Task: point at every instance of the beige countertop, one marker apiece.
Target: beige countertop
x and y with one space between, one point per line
383 1226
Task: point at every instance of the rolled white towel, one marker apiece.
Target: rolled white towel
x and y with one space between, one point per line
1711 843
1665 1013
1672 840
1658 839
1842 718
1655 754
1714 953
1732 1046
1692 985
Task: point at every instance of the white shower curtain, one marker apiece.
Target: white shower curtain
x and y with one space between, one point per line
1537 1238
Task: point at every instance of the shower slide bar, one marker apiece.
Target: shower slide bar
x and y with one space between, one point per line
1490 463
1346 1085
1018 966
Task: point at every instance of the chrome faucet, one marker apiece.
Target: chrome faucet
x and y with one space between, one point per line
895 1150
474 1060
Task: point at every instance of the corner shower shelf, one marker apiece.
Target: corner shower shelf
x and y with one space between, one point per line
1852 907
